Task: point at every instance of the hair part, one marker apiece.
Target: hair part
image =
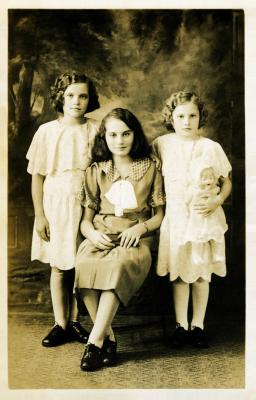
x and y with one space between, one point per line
61 84
179 98
140 147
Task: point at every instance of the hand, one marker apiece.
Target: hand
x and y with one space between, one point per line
100 240
131 236
207 204
42 228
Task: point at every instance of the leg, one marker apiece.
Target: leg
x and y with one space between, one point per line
181 298
200 295
60 296
107 308
91 300
60 302
75 331
96 354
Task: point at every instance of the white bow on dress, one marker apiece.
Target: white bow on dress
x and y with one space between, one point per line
122 195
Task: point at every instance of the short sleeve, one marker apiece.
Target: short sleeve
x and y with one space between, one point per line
90 193
37 153
157 193
155 148
220 160
93 130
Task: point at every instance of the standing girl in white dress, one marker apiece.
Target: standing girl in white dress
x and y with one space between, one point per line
185 115
58 156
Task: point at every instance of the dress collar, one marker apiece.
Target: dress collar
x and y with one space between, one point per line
138 169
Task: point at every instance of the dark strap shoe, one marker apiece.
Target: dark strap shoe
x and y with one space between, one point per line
179 338
109 353
92 358
55 337
76 332
198 338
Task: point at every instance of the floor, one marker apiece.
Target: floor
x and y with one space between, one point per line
145 359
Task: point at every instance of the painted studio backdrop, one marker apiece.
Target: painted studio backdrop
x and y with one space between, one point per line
136 58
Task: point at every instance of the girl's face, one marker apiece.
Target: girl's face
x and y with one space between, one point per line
76 99
119 137
185 119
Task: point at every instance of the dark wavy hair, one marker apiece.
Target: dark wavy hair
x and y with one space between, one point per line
179 98
63 81
140 146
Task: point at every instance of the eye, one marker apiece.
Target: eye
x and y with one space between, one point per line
193 115
180 116
112 134
69 94
84 96
127 133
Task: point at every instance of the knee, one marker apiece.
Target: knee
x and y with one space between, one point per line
200 282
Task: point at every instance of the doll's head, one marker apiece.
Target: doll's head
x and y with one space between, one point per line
121 132
208 178
181 98
61 84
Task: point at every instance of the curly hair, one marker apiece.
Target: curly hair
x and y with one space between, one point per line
179 98
140 146
63 81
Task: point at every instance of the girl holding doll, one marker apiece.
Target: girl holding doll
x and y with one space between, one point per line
180 151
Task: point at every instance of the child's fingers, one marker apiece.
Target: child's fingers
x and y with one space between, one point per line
106 237
48 232
44 236
106 241
130 242
135 244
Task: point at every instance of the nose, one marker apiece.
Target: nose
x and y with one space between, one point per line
119 139
186 120
76 100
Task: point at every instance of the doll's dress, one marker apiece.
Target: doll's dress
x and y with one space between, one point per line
176 155
203 229
118 204
61 153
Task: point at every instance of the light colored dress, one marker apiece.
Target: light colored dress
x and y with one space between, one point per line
119 204
61 153
175 253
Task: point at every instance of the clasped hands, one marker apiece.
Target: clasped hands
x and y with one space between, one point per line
129 237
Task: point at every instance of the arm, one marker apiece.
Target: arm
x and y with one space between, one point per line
131 236
97 238
42 224
208 204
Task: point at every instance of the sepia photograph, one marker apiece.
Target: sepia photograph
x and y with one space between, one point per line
126 200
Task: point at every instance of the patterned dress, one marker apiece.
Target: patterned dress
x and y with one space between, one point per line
61 153
175 253
120 269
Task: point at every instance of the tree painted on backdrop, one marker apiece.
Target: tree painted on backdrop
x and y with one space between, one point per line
135 57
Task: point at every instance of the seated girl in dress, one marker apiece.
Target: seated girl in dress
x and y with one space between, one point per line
123 206
202 229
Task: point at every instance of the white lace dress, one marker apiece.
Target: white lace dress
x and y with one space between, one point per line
61 153
175 256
